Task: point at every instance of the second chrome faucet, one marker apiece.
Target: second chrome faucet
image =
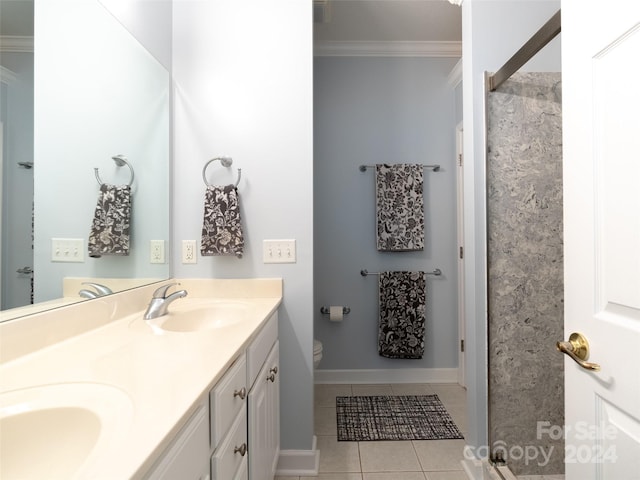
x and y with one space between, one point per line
101 290
160 301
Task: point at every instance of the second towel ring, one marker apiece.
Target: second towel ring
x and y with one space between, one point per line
121 161
226 162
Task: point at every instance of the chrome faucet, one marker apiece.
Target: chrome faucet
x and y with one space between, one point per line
160 301
101 290
84 293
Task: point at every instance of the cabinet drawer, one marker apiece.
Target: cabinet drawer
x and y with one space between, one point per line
260 348
228 458
227 398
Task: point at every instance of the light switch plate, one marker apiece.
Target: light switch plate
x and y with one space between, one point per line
279 251
67 250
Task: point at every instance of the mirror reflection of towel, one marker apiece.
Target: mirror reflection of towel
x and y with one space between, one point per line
222 225
402 297
111 222
399 207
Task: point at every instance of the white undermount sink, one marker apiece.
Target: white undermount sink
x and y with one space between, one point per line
196 315
55 431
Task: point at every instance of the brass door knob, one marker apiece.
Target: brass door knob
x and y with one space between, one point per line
578 349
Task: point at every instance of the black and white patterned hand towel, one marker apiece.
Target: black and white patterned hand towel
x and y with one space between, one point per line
222 226
111 222
402 297
399 207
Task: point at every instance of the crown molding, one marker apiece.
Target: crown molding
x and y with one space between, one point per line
388 49
16 44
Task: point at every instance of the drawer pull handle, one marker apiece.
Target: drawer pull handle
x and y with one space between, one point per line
242 449
274 370
242 393
271 377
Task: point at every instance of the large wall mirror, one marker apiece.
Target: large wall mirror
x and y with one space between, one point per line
87 91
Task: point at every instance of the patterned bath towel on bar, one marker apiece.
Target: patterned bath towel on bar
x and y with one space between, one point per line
399 207
111 222
402 306
222 225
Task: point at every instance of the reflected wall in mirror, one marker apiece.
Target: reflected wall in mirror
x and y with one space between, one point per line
97 93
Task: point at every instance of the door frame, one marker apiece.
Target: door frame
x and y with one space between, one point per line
460 252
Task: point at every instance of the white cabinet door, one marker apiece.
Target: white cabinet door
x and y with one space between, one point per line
242 473
264 420
187 457
273 410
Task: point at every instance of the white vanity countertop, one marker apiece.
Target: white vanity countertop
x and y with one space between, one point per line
163 374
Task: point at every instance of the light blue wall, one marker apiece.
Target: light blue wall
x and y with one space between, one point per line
244 89
492 31
370 110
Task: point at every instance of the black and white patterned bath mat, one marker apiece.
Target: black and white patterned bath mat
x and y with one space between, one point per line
402 417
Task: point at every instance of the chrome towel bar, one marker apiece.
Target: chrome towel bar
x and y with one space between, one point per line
435 168
437 272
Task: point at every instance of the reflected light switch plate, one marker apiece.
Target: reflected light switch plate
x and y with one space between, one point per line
67 250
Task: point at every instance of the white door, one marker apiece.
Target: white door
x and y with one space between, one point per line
601 150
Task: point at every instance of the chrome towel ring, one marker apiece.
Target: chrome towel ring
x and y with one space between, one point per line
226 162
121 161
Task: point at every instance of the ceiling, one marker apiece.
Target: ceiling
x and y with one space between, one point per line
386 21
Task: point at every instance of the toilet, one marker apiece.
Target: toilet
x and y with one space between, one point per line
317 352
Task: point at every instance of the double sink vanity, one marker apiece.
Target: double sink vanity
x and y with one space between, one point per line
95 391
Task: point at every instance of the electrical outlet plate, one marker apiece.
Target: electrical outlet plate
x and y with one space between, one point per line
67 250
189 254
156 251
279 251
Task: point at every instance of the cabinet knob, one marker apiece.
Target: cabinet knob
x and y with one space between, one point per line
242 393
242 449
271 377
274 370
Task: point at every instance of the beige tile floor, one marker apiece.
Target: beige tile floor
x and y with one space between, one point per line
394 460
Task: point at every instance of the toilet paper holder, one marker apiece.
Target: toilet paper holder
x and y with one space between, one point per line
325 310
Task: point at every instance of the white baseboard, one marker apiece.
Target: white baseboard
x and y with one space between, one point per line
401 375
296 463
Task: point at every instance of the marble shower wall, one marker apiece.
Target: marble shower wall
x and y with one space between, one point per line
525 255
